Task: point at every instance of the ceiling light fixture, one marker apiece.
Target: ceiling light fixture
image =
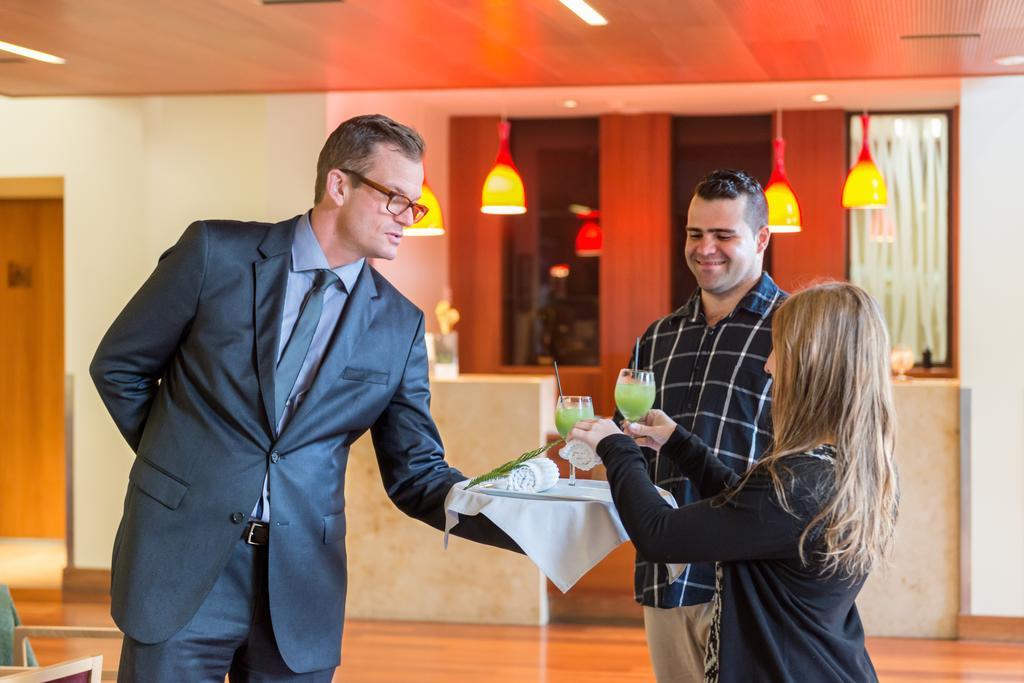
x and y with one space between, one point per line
559 271
1010 60
783 207
585 12
570 104
820 97
864 187
503 192
30 53
590 237
433 222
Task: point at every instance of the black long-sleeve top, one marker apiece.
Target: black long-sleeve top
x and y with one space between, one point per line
777 619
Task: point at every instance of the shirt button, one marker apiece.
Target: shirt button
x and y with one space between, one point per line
237 517
274 457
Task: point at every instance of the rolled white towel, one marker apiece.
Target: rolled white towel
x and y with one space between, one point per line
534 475
580 455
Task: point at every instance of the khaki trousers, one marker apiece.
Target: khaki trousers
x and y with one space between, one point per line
676 639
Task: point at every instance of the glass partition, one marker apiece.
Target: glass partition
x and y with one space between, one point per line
551 287
900 254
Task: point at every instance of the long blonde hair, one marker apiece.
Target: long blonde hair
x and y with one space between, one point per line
833 384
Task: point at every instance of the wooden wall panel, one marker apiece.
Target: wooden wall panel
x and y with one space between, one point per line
816 165
994 629
474 242
32 368
636 217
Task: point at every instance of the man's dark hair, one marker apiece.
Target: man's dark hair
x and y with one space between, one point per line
353 143
727 183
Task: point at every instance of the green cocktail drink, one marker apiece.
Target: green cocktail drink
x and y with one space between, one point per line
634 400
634 393
570 410
566 418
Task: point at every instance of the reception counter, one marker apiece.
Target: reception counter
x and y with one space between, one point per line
398 568
919 594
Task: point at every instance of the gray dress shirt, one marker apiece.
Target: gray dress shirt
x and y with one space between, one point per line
307 258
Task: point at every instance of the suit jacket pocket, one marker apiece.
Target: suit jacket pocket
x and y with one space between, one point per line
365 375
159 486
334 528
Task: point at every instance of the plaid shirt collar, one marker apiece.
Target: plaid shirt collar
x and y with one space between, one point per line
758 300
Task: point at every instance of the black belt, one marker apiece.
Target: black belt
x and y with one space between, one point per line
256 533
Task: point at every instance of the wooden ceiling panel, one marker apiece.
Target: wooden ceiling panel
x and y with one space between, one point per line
779 58
223 46
769 21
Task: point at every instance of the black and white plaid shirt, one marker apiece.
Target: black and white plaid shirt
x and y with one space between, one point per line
710 380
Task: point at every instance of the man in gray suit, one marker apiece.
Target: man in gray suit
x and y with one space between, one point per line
240 374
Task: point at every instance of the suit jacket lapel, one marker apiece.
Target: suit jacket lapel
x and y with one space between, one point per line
356 318
271 282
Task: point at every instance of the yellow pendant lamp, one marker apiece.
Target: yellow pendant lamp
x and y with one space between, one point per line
783 207
865 186
432 223
503 192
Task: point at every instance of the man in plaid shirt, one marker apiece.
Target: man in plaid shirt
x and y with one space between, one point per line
708 361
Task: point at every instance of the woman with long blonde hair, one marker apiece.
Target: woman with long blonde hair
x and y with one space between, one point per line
796 537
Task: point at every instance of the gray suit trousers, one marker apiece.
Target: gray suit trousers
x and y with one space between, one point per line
231 633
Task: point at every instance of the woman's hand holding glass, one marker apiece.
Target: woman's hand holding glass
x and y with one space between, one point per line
652 431
591 432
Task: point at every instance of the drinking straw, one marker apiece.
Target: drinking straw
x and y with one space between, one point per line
559 381
636 355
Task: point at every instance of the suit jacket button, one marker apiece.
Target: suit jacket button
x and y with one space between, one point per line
237 517
274 457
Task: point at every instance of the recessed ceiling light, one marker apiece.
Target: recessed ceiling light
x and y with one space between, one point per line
30 53
1010 60
570 104
820 97
585 12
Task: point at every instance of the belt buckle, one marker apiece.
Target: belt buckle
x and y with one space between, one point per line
252 530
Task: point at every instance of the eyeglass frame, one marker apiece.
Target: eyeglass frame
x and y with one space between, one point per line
392 195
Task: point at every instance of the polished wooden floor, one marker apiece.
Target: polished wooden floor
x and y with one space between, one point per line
394 652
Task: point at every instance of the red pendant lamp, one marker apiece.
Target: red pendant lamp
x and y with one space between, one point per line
590 237
503 192
864 187
783 207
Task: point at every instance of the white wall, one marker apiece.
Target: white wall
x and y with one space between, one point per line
136 172
991 327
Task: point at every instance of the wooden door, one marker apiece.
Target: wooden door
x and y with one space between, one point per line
32 489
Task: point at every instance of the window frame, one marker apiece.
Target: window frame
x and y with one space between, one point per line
951 368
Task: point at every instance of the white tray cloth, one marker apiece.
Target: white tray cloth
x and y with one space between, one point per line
565 530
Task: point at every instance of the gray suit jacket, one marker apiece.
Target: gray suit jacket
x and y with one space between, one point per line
187 373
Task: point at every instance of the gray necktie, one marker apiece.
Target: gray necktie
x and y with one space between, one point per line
302 336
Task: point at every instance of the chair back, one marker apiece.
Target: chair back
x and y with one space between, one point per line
84 670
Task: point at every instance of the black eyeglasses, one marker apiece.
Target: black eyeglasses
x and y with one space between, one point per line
398 203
